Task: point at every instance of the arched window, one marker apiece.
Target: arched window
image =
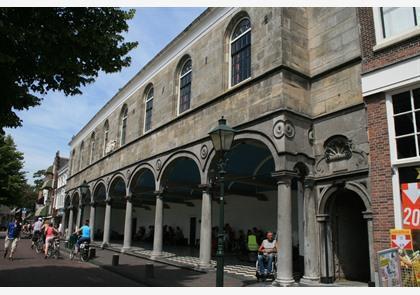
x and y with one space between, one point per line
92 148
71 168
106 135
240 51
82 147
123 124
185 86
148 110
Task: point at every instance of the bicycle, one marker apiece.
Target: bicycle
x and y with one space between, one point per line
54 249
39 245
83 252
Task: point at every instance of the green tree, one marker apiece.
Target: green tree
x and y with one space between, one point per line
56 49
12 178
38 179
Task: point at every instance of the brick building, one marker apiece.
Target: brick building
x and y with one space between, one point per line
390 42
288 79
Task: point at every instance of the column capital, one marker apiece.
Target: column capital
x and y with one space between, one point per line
93 204
108 201
322 217
70 207
205 187
284 176
129 197
309 182
80 206
158 194
368 215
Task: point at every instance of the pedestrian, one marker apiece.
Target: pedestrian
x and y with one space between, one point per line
12 237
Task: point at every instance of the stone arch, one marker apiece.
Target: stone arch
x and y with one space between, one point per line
301 169
74 195
115 178
352 186
138 169
67 201
174 157
243 135
96 187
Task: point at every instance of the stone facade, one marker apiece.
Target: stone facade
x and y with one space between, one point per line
303 103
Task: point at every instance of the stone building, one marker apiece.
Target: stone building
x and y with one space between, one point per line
390 42
288 79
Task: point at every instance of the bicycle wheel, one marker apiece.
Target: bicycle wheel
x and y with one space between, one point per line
84 256
38 247
71 254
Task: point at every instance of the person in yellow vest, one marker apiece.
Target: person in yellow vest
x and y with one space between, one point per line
252 246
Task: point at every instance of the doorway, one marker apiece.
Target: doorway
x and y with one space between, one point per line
349 237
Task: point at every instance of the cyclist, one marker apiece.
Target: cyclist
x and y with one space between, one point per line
50 233
85 234
36 231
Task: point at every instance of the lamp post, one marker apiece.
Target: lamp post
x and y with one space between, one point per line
222 139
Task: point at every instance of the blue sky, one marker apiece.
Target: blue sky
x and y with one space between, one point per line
48 128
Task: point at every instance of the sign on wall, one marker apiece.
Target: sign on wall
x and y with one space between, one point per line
389 268
410 199
401 238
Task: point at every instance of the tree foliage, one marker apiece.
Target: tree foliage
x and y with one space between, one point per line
39 179
12 178
56 49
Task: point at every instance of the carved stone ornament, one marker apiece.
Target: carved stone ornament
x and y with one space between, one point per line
338 148
110 146
204 151
282 128
340 155
158 164
311 136
289 129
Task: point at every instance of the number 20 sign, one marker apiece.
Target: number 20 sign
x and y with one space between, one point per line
410 195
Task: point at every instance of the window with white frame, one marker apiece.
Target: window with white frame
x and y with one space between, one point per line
123 124
406 119
185 78
397 20
148 110
240 52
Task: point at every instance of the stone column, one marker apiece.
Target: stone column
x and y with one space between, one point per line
79 216
205 231
92 220
369 219
128 225
311 259
63 223
325 250
107 223
284 231
158 235
70 227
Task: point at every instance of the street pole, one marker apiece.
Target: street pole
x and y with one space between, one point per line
221 235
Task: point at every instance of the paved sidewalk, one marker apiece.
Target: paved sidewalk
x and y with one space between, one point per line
165 275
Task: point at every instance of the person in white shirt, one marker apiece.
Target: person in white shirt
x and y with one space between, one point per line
36 231
267 250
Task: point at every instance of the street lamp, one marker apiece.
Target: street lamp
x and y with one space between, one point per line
84 188
222 139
